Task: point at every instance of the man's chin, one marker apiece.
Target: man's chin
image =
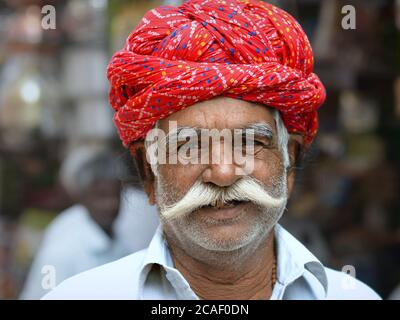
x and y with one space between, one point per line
225 240
224 234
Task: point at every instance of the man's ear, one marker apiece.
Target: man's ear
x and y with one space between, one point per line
295 145
138 152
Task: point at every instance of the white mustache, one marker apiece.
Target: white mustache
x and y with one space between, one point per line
201 194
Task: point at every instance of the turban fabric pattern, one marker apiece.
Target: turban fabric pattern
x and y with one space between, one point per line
247 50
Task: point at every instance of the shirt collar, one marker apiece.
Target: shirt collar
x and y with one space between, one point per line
157 251
293 259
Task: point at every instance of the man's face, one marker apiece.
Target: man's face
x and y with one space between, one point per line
226 225
102 199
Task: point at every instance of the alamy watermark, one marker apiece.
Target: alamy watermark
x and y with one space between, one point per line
48 17
349 283
49 279
349 19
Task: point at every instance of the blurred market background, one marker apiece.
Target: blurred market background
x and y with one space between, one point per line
53 101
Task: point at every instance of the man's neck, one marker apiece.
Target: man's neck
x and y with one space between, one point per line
251 278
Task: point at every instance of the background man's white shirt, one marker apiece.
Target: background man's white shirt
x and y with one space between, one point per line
74 243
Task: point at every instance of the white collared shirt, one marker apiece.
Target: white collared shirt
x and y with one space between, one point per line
150 274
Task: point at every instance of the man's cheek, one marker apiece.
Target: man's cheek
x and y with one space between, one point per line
267 172
182 176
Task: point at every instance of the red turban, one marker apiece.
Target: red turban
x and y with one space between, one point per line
243 49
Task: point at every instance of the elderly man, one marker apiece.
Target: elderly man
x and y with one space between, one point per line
239 67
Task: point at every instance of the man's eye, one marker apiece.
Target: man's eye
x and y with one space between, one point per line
190 145
258 143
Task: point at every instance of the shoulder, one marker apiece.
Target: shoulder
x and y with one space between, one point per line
116 280
342 286
66 221
62 235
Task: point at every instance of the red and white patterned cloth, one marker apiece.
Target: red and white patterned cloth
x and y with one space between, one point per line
243 49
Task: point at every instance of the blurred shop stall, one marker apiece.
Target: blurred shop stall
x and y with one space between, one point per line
53 99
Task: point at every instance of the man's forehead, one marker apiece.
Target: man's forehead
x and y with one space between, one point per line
221 113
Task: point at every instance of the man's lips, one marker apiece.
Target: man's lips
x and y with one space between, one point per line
227 212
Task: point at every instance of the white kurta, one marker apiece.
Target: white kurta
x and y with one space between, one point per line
300 275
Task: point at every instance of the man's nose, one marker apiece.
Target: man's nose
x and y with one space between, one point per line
222 170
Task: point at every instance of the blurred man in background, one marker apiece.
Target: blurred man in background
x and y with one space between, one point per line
96 230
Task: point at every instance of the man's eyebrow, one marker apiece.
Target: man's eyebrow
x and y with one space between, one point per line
173 135
260 129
